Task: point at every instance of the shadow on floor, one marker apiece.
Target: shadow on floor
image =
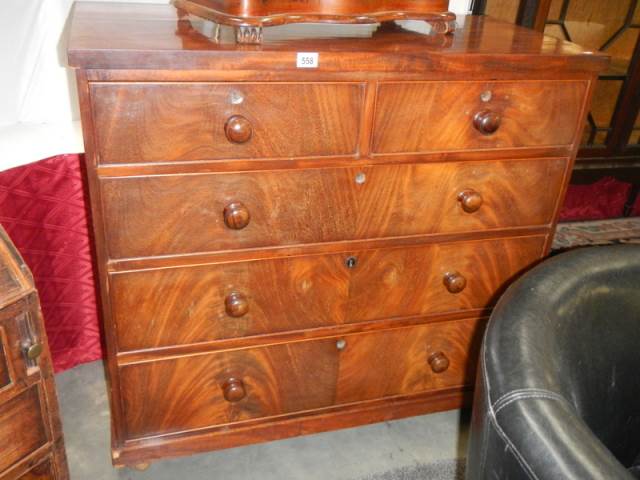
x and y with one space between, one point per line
399 450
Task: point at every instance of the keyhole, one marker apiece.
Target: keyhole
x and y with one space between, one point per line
351 262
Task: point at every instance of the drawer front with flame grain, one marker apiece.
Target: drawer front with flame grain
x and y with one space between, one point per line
476 115
234 386
187 305
178 122
173 214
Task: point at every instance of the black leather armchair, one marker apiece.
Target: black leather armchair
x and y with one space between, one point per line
558 389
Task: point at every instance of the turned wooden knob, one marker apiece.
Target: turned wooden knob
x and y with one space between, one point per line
454 281
470 200
238 129
236 216
236 305
487 122
438 362
233 390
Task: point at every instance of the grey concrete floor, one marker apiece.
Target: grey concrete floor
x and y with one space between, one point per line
350 454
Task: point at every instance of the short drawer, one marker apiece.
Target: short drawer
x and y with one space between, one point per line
189 305
173 122
173 214
421 117
233 386
22 418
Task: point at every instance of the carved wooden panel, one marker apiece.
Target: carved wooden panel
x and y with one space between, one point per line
22 427
439 116
150 122
148 216
179 306
189 392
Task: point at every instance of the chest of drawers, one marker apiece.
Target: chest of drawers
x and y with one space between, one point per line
284 251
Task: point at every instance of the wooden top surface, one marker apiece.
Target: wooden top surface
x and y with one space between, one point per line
142 36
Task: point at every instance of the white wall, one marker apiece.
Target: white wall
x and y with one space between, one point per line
38 102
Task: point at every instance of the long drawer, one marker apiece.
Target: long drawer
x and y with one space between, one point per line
175 214
421 117
152 122
186 305
228 387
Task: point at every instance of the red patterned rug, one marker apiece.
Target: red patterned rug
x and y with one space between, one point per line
598 232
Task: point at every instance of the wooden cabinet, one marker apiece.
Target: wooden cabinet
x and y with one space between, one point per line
288 250
30 430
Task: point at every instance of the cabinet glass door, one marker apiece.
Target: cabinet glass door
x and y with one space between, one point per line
612 27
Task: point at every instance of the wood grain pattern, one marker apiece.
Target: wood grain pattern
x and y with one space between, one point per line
323 205
22 427
42 471
180 306
532 113
186 122
187 305
398 360
187 392
154 37
230 314
410 281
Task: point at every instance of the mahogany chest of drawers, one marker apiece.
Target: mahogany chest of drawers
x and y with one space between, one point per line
287 250
31 444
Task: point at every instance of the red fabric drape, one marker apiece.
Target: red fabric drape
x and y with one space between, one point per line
635 212
600 200
43 207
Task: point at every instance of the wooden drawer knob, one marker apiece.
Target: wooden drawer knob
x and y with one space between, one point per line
236 305
238 129
487 122
438 362
470 200
233 390
455 282
236 216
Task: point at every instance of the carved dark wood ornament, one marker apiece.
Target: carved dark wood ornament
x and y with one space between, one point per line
249 17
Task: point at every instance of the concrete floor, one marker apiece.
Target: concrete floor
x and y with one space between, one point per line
403 449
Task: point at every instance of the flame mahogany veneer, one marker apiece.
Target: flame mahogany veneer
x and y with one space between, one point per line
288 250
